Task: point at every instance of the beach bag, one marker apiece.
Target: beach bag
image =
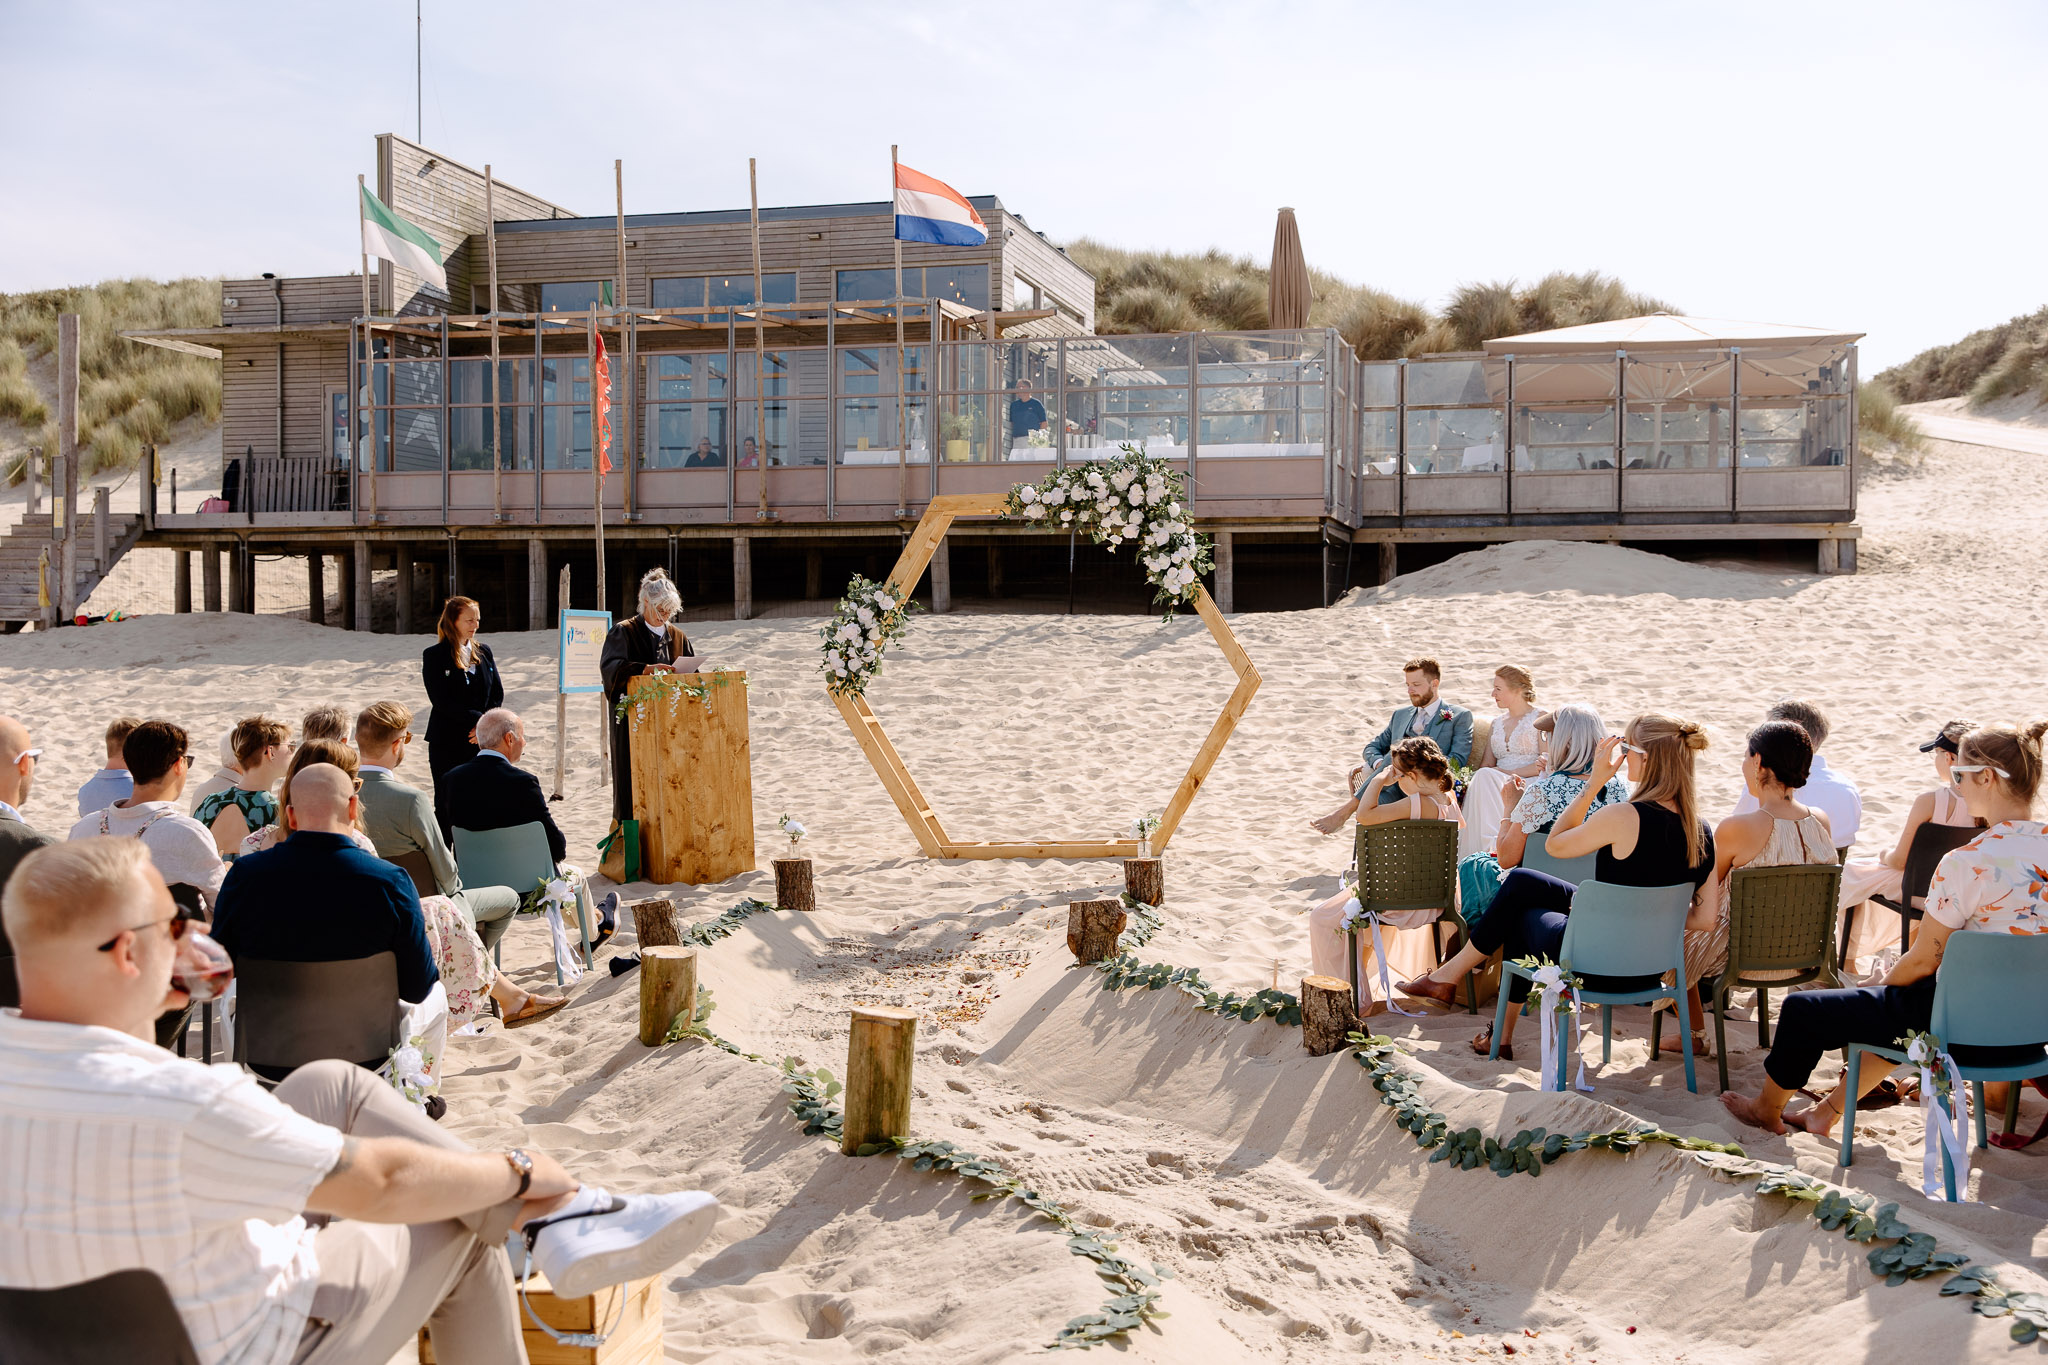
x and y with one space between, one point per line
619 853
214 505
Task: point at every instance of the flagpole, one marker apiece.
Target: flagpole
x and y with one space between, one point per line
902 432
625 351
596 478
368 373
497 399
760 351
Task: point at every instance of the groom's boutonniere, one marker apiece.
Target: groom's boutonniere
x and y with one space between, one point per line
1444 716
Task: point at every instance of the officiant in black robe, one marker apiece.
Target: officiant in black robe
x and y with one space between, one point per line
644 643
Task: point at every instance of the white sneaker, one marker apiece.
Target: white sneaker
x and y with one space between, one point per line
602 1239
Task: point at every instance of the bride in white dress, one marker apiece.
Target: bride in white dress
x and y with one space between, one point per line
1516 750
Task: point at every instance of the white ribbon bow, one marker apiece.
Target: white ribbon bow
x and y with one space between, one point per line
559 893
1550 977
1353 913
1947 1125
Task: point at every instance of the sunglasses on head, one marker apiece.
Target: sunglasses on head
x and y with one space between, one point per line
1956 771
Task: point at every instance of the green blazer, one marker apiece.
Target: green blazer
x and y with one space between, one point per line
400 820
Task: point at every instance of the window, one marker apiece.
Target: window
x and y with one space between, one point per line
716 291
555 296
967 284
1024 294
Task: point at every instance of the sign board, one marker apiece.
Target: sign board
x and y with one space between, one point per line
580 643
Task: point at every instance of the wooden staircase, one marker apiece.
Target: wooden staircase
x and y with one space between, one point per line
22 548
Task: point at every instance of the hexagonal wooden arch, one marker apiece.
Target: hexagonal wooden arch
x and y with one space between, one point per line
903 789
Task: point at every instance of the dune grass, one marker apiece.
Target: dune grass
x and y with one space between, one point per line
2006 361
1878 418
128 394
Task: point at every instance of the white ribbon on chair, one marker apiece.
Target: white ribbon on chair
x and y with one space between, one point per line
561 893
1356 914
1556 994
1946 1125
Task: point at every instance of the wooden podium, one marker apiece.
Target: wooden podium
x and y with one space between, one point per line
693 779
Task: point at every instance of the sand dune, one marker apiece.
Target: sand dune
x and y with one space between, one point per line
1299 1223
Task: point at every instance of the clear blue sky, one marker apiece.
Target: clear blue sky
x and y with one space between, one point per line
1859 165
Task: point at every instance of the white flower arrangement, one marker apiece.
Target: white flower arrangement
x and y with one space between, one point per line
1040 439
1131 497
870 617
793 827
1142 827
410 1069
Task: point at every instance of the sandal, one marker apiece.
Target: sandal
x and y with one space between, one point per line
536 1007
1482 1044
1423 988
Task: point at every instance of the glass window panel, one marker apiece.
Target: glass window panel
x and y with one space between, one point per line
1677 435
1449 382
737 291
867 429
686 436
1564 438
965 427
518 298
966 284
565 437
687 376
574 296
416 438
795 433
1377 385
858 286
1780 436
470 434
469 381
1379 439
686 291
1783 373
1451 440
1668 378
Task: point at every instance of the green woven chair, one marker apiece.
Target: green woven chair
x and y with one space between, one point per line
1780 919
1411 865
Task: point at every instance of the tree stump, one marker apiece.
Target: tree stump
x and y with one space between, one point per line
668 987
794 887
880 1047
1092 929
1327 1014
1145 879
655 922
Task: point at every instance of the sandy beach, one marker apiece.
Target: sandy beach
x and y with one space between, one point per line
1298 1222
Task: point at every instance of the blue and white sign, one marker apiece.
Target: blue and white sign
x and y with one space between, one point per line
581 644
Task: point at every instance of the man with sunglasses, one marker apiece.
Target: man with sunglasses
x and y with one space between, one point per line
122 1156
159 757
17 839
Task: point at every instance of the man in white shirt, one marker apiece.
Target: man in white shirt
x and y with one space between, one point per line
1831 793
158 755
122 1156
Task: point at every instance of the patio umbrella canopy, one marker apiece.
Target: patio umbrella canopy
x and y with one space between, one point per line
1287 291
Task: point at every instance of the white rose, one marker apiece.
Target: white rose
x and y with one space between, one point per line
885 602
560 890
840 669
1027 493
1173 509
1130 533
874 632
407 1063
864 616
1056 496
793 827
1066 516
1035 510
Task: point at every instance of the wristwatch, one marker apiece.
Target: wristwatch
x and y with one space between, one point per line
522 1166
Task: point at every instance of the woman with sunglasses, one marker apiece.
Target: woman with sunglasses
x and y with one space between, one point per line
1994 884
1877 925
1657 839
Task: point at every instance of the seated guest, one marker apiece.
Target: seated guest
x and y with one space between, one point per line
1780 833
400 822
111 783
1515 750
17 839
1575 730
1991 885
467 972
1422 777
704 457
261 752
158 759
1426 714
492 792
324 722
1827 791
1657 839
223 778
750 454
125 1157
1877 926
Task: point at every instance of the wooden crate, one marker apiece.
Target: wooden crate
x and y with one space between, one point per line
635 1341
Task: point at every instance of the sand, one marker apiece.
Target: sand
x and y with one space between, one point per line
1299 1223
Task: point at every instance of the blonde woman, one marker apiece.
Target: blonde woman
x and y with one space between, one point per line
1514 755
1656 839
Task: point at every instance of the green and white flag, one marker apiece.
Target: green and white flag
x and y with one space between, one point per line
402 243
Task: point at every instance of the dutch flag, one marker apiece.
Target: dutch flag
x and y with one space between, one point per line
929 210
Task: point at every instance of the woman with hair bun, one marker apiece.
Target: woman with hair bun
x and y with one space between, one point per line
1513 755
643 643
1995 884
1657 839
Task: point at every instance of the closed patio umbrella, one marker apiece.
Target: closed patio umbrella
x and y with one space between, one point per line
1287 290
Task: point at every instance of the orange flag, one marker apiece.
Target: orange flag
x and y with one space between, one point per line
601 408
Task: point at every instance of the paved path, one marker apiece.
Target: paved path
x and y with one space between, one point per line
1979 431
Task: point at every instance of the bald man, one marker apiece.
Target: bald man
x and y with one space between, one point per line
122 1156
316 897
17 839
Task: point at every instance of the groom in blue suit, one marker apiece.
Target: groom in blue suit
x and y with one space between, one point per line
1426 714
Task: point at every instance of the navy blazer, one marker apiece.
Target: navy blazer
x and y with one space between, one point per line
318 898
459 699
492 792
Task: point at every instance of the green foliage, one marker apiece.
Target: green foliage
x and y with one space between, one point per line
871 617
1130 497
2005 361
1125 970
2028 1311
1141 921
675 688
708 932
129 394
1878 416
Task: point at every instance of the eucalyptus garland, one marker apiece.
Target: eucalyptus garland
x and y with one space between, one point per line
707 932
1130 497
813 1103
675 688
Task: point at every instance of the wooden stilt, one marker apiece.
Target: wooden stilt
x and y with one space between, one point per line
1145 879
316 588
668 987
1092 929
880 1048
1327 1014
181 580
794 887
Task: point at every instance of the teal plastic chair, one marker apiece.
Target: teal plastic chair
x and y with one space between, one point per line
1536 856
1618 931
1987 994
519 858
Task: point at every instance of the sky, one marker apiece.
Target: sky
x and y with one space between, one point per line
1837 165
